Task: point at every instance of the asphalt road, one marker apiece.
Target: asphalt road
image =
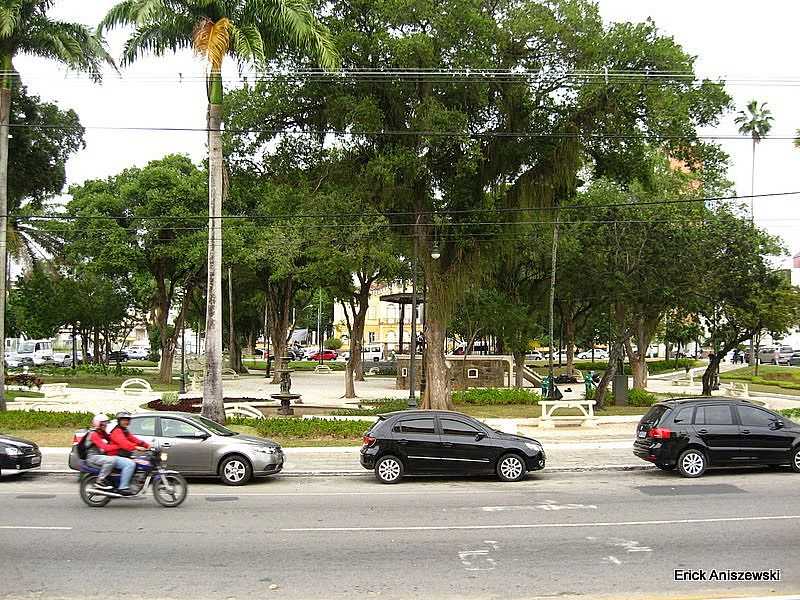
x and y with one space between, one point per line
614 534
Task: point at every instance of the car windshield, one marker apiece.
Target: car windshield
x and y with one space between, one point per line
213 427
27 347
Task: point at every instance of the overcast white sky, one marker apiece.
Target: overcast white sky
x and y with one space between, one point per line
731 38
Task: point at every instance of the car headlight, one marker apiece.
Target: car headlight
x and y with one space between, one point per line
11 451
266 449
532 446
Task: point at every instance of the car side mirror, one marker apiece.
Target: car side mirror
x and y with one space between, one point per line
777 425
479 436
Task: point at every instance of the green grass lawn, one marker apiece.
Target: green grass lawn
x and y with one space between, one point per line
770 378
108 382
140 363
297 365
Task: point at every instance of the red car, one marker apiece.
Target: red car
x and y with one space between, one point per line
324 355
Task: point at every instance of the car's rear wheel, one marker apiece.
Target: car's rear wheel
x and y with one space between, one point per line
665 466
692 463
389 469
796 460
235 470
510 467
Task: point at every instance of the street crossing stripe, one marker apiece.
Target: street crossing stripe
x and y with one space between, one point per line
545 525
35 527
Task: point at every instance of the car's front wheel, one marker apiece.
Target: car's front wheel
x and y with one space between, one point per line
389 469
510 467
235 470
796 460
692 463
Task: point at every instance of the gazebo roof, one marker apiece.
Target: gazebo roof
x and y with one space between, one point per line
402 298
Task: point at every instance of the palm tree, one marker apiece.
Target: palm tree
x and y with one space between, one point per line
755 122
250 32
25 28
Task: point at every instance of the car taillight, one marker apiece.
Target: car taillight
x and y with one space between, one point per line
659 433
368 440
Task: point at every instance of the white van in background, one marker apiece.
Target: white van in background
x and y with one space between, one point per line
369 353
36 352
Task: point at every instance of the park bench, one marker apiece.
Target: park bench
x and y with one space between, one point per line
134 388
243 410
54 390
229 374
736 389
323 369
587 417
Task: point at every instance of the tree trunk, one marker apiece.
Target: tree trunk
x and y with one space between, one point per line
97 350
356 363
213 404
710 375
234 347
5 112
643 329
519 366
437 377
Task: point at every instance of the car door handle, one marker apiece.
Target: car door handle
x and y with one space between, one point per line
447 444
702 431
745 431
165 445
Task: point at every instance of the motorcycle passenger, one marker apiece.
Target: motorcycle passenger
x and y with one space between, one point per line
98 444
125 443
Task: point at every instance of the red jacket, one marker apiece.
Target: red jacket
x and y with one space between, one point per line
123 439
102 442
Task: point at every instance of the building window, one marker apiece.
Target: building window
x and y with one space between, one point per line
472 373
404 372
371 337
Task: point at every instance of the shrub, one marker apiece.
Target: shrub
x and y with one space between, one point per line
66 372
332 343
638 397
791 413
170 399
27 380
22 419
498 396
309 428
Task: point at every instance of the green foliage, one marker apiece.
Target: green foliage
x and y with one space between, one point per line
305 428
332 343
641 398
27 380
25 420
83 370
791 413
486 396
170 399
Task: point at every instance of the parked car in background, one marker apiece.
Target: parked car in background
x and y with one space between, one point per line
137 352
446 443
534 355
694 434
477 348
13 360
777 355
38 352
324 355
117 356
794 360
17 454
201 447
369 353
599 354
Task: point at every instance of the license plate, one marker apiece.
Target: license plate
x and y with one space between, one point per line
642 434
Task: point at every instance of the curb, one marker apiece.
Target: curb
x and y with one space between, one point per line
366 473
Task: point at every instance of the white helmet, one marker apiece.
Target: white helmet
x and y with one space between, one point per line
99 420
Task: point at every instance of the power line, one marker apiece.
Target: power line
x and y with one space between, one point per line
259 217
412 133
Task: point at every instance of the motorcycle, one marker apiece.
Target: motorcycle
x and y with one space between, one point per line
169 487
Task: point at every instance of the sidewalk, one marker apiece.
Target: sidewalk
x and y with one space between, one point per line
344 460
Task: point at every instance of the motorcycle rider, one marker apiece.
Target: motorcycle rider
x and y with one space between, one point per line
98 444
125 443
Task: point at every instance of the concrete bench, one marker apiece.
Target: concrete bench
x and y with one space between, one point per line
134 388
736 389
54 390
323 369
229 375
586 418
243 410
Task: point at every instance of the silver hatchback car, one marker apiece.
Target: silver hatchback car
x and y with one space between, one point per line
198 446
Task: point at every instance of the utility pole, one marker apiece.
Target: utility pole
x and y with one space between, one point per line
319 327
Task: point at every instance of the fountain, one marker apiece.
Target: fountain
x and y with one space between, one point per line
285 396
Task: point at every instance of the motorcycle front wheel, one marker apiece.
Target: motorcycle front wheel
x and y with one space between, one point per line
170 490
93 500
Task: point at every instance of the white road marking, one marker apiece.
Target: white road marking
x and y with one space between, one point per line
479 559
629 545
548 506
35 527
613 559
543 525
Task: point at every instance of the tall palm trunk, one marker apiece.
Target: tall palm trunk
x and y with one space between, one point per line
213 407
753 361
5 113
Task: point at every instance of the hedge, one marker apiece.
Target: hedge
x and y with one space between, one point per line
641 398
496 396
379 407
791 413
307 428
15 420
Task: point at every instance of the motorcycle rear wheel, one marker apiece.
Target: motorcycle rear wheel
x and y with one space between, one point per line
166 498
93 500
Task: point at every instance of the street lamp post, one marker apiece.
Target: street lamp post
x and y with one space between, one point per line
319 328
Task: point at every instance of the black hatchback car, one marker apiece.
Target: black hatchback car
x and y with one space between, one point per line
693 434
442 442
